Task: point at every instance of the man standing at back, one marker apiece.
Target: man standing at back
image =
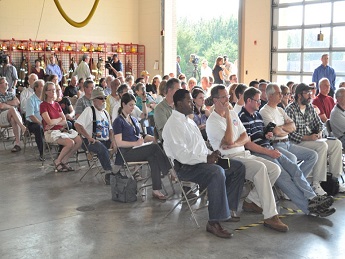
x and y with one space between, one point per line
115 66
53 68
10 72
83 69
324 70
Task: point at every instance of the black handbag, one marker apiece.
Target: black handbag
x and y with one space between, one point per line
123 188
331 186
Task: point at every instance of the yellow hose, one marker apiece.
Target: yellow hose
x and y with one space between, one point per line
74 23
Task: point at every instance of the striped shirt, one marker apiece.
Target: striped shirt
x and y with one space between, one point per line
254 126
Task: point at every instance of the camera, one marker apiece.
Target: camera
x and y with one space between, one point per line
269 128
108 62
194 59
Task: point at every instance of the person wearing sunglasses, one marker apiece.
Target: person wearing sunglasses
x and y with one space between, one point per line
97 133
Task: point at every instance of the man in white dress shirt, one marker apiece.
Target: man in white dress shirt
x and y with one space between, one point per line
198 164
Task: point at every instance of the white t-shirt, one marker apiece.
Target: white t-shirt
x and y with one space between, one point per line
216 127
102 123
276 115
237 108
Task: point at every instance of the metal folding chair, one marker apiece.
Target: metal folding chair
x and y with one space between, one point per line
93 162
5 133
184 198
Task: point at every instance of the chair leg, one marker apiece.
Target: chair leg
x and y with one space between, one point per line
184 197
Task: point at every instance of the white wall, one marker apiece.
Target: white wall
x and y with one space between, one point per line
256 27
129 21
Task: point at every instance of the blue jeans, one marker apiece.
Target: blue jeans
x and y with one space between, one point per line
101 149
292 181
296 152
224 186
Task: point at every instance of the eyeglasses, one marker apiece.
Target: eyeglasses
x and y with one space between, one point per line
257 101
101 98
307 92
223 97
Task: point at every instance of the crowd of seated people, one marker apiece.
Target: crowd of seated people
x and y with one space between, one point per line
233 121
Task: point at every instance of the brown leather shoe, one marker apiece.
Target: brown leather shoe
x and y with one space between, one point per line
251 207
217 230
276 224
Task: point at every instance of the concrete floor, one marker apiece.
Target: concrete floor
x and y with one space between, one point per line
53 215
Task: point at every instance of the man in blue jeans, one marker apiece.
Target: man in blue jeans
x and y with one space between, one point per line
97 134
291 180
184 143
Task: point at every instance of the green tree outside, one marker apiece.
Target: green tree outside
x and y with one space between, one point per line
208 39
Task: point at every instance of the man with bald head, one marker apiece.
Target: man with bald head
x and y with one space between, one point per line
323 101
72 90
27 93
112 98
33 116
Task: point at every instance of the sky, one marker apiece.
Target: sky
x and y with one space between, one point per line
206 9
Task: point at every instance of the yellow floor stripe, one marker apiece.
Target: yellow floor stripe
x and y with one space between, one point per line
289 213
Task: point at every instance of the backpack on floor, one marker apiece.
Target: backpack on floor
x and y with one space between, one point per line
331 186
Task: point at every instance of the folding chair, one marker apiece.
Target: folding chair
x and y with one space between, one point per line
132 168
5 133
53 150
184 196
93 162
27 139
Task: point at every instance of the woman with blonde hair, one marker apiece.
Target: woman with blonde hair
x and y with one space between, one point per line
54 122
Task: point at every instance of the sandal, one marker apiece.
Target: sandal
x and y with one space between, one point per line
16 148
69 168
61 168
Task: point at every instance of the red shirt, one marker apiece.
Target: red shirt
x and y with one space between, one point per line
53 112
325 104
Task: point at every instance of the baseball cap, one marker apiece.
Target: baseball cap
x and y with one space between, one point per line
302 87
97 92
144 73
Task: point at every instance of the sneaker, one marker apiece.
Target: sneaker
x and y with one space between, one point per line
318 189
341 187
276 224
320 202
324 212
